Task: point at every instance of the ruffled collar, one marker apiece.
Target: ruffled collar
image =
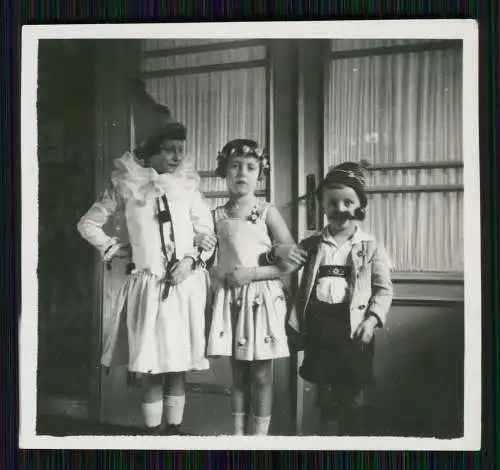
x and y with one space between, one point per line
142 184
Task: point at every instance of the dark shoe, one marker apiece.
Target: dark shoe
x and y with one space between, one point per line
156 431
174 430
355 423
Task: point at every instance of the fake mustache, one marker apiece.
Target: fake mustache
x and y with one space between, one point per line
341 216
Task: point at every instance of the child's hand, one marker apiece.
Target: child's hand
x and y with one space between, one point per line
295 339
366 329
217 274
181 270
206 241
240 277
292 254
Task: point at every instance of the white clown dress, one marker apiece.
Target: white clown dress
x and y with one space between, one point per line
148 333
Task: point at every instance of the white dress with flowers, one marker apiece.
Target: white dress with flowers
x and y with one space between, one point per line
247 322
150 334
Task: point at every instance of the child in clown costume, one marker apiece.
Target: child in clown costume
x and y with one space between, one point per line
158 325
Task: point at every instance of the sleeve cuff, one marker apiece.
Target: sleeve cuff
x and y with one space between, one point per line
380 324
110 251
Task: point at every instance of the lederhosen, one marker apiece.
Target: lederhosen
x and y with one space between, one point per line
331 357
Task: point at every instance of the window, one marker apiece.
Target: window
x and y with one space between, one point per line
218 89
398 104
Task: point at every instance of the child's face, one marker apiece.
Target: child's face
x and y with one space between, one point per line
339 204
169 157
242 174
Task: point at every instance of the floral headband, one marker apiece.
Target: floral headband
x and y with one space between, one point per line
244 150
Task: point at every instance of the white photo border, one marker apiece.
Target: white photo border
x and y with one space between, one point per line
466 30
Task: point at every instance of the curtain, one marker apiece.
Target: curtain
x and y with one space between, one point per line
403 108
216 106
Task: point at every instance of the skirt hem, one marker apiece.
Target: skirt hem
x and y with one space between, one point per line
156 372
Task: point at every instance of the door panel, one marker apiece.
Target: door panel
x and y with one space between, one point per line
311 55
119 403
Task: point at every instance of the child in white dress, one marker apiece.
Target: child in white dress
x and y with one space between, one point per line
249 306
158 325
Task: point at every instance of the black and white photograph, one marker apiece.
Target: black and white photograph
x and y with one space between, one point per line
242 236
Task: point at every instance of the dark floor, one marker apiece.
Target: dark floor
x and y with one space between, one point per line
65 426
216 420
209 414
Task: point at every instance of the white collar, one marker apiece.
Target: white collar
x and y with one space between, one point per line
356 238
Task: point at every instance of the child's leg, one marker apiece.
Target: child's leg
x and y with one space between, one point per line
262 395
329 411
174 398
152 399
352 419
241 394
329 421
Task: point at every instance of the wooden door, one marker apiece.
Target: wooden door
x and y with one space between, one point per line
116 61
310 70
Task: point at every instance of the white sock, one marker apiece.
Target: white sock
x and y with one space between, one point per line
260 425
174 408
239 424
152 413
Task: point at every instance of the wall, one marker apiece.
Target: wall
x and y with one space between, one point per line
116 61
66 185
418 365
420 359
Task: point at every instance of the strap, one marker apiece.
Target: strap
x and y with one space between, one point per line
334 271
263 208
219 213
210 261
165 216
162 218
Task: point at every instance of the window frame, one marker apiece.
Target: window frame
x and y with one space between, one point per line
448 277
229 66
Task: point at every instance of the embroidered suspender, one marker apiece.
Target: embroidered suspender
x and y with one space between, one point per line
163 217
334 271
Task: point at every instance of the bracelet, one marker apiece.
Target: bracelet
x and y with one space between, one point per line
271 255
194 263
263 259
197 262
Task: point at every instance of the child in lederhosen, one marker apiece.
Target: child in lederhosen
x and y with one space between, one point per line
344 295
